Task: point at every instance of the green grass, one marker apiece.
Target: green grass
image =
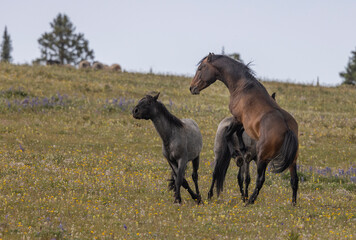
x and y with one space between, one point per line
74 164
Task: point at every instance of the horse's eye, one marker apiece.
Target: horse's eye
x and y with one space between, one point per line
200 67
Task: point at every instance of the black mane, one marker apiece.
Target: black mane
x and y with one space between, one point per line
173 119
243 69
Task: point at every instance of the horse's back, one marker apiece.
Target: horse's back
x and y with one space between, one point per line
220 141
220 138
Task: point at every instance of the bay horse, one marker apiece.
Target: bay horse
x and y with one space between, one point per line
274 129
236 145
243 149
182 142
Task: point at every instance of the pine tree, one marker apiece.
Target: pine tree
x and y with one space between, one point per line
350 71
235 56
6 47
62 44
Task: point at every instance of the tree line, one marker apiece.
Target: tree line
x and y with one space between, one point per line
63 46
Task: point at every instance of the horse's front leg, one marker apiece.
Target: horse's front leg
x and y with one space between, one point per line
231 129
180 179
247 178
241 182
171 181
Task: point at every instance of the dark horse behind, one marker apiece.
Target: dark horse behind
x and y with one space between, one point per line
274 129
226 146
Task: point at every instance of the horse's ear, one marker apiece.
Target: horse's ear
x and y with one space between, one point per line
156 97
210 56
273 96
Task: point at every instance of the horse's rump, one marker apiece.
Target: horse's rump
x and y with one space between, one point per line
287 152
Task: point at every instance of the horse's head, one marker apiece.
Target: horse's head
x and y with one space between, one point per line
205 75
145 107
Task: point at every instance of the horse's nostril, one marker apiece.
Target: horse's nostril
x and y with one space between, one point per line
134 111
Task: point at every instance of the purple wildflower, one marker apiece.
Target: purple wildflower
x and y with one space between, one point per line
21 148
61 226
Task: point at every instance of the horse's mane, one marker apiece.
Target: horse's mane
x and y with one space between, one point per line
173 119
243 69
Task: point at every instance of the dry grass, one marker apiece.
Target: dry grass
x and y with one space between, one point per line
74 164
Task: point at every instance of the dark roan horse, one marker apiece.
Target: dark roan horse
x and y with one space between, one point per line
274 129
227 147
182 142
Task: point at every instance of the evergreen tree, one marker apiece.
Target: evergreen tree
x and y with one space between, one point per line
350 71
62 44
6 47
235 56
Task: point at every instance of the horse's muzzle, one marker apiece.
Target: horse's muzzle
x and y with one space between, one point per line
194 90
135 113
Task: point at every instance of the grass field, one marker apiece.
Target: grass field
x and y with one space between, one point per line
74 164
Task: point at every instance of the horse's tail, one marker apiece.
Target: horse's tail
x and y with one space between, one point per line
221 165
287 152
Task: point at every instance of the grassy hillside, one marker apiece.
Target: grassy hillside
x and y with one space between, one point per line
74 164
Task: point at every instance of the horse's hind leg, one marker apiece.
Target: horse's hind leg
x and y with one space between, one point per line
294 182
191 192
195 163
261 171
181 181
211 191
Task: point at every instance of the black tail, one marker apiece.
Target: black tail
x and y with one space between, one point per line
221 166
287 153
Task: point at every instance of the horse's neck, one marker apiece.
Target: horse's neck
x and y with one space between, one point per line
233 79
163 127
234 85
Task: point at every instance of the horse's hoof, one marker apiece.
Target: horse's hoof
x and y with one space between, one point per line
178 201
198 200
249 202
210 195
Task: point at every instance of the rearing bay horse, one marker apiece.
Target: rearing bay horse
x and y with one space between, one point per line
274 129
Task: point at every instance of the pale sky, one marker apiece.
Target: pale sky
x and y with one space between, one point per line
294 41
